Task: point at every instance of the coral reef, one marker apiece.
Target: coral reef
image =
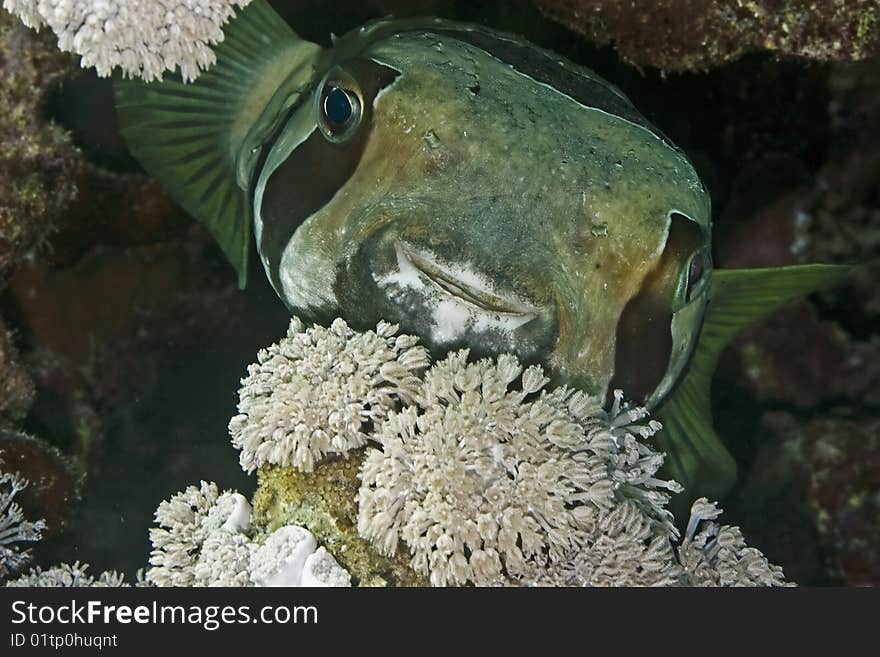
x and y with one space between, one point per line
144 39
843 457
184 331
50 188
486 478
819 363
677 35
844 210
170 313
476 469
826 217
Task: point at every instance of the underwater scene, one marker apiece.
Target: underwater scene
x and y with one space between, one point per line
440 293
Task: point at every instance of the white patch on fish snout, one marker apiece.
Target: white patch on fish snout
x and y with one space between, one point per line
307 275
459 298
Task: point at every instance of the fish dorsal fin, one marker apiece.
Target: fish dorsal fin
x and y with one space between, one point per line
200 139
695 455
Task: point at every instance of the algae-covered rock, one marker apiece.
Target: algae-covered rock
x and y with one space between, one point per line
828 349
826 473
325 502
53 485
679 35
37 160
16 385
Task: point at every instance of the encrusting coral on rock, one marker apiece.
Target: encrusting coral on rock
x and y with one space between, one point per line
678 35
325 501
37 160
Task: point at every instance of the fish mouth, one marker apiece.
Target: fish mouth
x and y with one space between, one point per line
473 292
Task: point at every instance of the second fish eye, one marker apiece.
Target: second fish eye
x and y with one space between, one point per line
699 265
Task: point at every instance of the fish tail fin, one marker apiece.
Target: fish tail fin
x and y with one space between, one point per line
695 455
200 139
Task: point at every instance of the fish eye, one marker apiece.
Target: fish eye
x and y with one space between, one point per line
700 264
339 107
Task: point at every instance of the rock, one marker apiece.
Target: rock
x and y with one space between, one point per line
325 501
53 485
816 352
16 386
37 160
680 35
825 471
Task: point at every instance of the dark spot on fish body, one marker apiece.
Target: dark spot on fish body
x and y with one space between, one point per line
438 157
643 343
316 170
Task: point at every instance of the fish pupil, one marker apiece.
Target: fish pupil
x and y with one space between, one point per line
338 107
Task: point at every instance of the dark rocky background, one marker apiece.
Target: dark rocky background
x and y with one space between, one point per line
123 335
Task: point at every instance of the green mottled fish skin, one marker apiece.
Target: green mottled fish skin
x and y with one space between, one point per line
477 190
486 207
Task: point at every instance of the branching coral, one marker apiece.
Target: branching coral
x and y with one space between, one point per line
14 528
317 392
144 39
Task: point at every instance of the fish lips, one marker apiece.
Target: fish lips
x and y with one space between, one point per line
451 303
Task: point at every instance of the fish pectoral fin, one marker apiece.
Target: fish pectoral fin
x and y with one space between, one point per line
196 138
739 297
695 455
